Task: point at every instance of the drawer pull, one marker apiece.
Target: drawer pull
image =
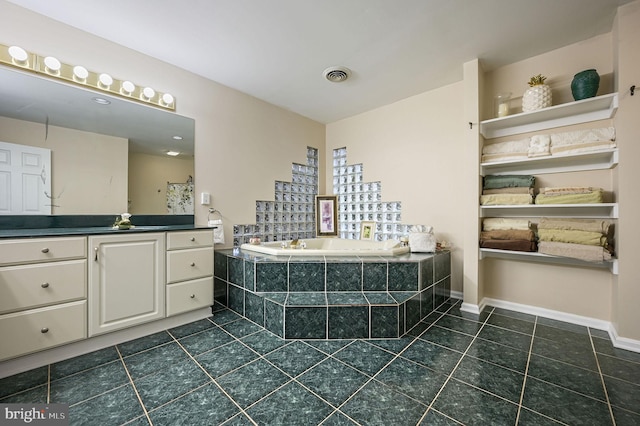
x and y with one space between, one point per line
193 296
44 285
96 251
193 264
45 250
44 330
193 238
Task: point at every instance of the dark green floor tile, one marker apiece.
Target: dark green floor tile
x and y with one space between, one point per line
432 356
605 347
506 337
455 311
205 406
620 369
83 362
238 420
338 419
576 379
434 418
225 358
112 408
295 358
459 324
252 382
333 381
205 340
490 377
191 328
364 357
514 314
290 405
152 360
623 394
578 356
88 383
37 395
561 325
147 342
504 356
377 404
225 316
393 345
170 383
472 406
625 418
530 418
511 323
564 405
411 379
419 329
447 338
564 336
23 381
263 342
329 346
138 421
241 328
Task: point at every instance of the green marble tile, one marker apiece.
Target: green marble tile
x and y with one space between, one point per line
333 381
412 380
295 358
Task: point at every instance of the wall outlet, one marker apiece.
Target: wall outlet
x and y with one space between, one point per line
205 198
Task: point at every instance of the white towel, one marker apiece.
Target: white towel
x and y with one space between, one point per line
518 146
586 136
218 231
539 146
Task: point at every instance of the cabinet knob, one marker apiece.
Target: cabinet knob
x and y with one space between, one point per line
193 238
44 285
45 250
193 264
193 296
44 330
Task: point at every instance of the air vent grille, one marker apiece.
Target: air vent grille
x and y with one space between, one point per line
337 74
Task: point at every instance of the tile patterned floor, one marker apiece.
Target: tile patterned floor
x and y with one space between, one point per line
502 368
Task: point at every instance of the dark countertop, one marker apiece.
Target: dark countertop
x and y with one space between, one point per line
93 230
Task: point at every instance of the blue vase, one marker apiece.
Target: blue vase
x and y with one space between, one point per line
585 84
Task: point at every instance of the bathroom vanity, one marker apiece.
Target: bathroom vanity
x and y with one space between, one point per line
97 287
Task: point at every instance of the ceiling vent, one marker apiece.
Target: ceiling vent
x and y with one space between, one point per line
336 74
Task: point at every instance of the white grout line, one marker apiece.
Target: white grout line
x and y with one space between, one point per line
526 369
133 385
604 385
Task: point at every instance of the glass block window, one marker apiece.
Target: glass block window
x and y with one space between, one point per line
360 201
292 213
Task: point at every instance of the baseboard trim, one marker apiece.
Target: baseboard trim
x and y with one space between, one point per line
623 342
60 353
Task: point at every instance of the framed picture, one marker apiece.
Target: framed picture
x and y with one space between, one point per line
326 215
367 230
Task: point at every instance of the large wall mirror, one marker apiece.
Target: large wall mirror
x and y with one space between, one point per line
107 155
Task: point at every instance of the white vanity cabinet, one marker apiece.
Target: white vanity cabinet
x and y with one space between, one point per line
189 270
126 280
43 291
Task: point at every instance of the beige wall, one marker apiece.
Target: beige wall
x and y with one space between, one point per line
89 170
412 147
148 177
242 144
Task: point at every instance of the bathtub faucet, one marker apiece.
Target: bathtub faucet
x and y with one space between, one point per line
302 245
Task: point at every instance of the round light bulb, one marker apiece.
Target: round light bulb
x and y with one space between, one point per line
105 80
52 64
148 92
128 87
80 72
18 54
167 98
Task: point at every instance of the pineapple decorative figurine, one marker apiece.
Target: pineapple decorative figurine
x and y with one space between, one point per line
537 96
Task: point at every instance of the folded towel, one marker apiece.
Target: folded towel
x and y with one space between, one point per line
508 234
589 198
564 190
576 251
512 245
511 190
506 147
593 225
497 223
582 148
539 146
506 181
492 158
573 236
505 199
583 136
218 231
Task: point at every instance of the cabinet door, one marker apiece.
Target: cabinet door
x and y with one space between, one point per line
126 281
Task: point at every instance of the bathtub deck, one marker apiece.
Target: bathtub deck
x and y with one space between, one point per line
333 297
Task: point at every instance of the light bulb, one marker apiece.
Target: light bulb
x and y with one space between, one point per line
128 87
105 80
148 92
80 72
167 98
18 54
52 64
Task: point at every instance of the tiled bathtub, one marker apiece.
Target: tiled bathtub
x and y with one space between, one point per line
333 297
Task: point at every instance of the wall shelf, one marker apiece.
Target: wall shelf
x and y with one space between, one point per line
597 160
545 258
597 210
583 111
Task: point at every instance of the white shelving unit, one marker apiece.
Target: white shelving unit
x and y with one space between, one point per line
584 111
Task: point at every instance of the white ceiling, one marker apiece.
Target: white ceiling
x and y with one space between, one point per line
276 50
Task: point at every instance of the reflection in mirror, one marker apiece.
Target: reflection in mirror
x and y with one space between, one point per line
108 155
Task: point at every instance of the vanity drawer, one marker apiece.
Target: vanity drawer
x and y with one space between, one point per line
189 264
42 284
189 295
37 329
42 250
189 239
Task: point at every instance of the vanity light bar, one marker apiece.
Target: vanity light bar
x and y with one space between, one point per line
49 66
